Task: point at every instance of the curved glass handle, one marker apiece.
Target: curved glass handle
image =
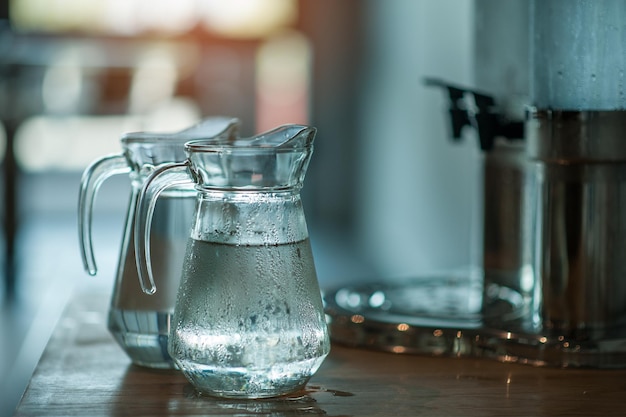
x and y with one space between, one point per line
92 179
166 176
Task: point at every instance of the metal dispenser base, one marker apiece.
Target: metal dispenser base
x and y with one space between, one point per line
438 315
432 316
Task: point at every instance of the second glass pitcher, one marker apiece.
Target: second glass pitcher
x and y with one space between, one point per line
249 320
140 323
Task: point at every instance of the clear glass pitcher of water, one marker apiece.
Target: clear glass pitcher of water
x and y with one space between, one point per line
140 323
249 320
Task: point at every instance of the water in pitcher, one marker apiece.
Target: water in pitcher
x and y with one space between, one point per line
139 322
272 340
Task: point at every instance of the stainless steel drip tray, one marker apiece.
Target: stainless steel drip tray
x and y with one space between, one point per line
436 315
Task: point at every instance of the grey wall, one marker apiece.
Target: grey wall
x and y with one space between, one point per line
417 190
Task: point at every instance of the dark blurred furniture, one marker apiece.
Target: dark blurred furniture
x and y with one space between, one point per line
107 79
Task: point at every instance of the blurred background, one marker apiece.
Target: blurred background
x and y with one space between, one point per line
387 193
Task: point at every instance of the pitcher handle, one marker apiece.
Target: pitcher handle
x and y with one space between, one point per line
90 183
165 176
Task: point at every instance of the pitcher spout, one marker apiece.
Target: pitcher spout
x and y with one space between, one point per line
285 137
277 159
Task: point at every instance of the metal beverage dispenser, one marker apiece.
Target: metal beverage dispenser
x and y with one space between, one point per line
576 146
553 280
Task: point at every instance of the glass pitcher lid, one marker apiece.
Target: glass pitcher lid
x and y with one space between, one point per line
154 148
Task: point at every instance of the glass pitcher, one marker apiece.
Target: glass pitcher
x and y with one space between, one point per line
249 320
140 323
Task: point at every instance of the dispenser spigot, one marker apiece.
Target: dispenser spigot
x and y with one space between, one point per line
478 110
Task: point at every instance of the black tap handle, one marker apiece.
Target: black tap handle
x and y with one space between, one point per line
488 123
459 116
484 103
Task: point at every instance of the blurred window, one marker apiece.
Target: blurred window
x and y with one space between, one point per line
230 19
113 66
70 143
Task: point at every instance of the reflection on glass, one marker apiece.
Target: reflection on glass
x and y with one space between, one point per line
3 140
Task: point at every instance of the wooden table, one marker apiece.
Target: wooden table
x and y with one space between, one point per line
84 373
